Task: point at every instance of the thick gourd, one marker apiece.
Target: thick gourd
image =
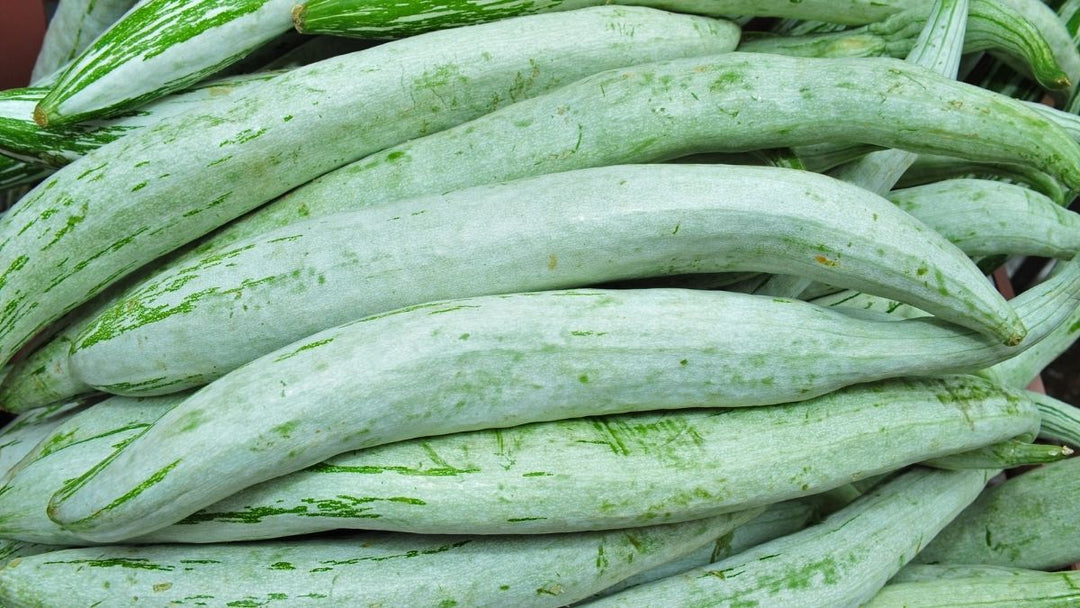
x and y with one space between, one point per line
554 231
500 361
643 468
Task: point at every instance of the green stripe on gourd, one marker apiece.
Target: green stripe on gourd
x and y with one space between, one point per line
1027 522
158 47
145 194
389 19
360 569
21 138
643 468
500 361
839 563
73 26
541 233
44 376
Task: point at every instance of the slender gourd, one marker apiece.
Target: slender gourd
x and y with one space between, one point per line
137 198
359 569
539 233
643 468
500 361
840 563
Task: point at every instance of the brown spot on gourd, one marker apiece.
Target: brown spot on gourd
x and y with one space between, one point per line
824 261
553 261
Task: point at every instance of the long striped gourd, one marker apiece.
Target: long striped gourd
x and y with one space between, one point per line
1014 589
732 102
984 217
839 563
387 19
21 138
73 26
158 47
500 361
133 200
358 569
1027 522
20 435
539 233
643 468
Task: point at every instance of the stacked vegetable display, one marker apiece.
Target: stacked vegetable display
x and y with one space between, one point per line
540 304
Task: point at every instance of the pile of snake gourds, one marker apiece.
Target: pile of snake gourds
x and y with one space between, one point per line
540 304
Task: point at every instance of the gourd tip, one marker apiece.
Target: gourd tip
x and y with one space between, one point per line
40 116
298 11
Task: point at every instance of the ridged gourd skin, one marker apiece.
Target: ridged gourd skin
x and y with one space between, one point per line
501 361
840 563
1027 522
554 231
360 569
135 199
643 468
